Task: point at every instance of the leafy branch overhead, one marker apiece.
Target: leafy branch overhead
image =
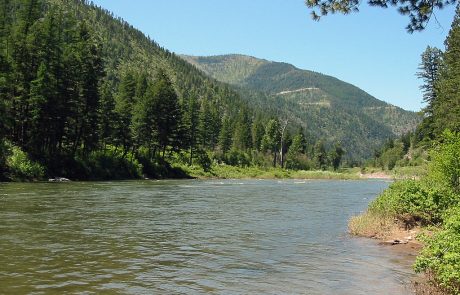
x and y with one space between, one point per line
419 11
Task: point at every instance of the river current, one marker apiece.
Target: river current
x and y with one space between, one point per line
193 237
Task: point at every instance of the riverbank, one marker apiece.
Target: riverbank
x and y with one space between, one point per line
234 172
431 204
396 236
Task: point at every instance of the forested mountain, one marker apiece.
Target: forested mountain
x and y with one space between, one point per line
325 106
78 83
86 95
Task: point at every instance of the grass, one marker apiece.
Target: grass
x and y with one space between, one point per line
232 172
373 225
414 172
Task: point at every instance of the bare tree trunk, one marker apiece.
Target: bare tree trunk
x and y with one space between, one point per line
283 129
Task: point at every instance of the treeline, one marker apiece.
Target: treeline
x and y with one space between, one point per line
84 95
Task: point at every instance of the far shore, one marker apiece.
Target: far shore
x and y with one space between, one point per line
221 171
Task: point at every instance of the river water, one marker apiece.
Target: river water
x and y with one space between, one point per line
193 237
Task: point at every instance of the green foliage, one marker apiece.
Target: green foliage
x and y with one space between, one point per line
446 108
296 158
433 200
444 169
237 158
20 166
335 156
203 159
271 138
320 158
419 11
441 254
111 163
420 201
3 156
429 72
390 156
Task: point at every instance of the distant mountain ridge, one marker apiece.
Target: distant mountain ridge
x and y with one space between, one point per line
326 106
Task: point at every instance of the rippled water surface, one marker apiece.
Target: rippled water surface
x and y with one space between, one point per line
192 237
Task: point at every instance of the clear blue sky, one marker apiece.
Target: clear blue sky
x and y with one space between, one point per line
369 49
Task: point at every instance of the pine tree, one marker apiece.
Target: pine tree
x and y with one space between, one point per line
242 138
107 115
205 121
168 113
257 131
91 75
41 91
143 121
225 136
124 110
320 155
446 108
429 73
272 138
191 118
335 156
296 149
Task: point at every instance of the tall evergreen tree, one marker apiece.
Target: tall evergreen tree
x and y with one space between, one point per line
242 138
429 72
320 155
204 125
225 136
191 122
168 114
335 156
143 121
124 110
107 114
257 131
446 108
271 139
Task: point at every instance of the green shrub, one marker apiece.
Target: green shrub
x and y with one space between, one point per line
3 154
420 201
19 165
237 158
298 162
444 168
111 164
441 254
203 159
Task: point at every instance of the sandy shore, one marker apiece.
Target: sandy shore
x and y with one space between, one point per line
375 175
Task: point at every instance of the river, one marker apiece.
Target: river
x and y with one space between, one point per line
193 237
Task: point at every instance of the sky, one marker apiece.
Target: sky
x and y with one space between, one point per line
370 49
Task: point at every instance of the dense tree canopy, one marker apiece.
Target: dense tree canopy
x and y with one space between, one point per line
85 94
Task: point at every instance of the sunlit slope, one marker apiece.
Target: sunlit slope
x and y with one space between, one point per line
326 106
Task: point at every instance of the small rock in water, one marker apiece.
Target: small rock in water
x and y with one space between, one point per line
394 242
58 179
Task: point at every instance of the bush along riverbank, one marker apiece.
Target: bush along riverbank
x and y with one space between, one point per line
428 210
113 164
